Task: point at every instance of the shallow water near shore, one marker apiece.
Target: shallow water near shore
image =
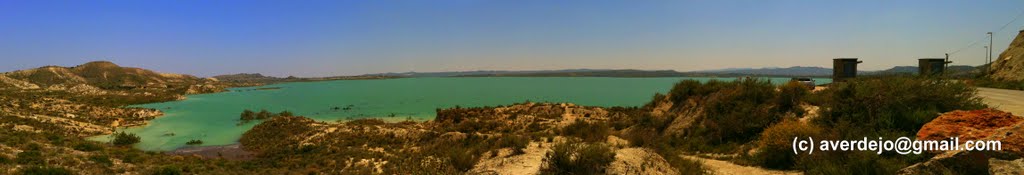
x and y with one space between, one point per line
213 118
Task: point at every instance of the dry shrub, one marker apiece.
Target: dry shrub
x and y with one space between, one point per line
575 157
775 143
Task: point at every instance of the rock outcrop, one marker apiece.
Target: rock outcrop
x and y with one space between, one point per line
984 125
640 161
1010 64
75 99
968 125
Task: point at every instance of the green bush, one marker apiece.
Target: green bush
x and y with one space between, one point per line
367 122
1001 84
461 158
575 157
247 115
168 170
790 96
125 139
46 170
737 112
87 146
588 131
516 142
647 131
101 159
687 89
285 114
30 157
5 160
263 114
682 165
775 143
886 106
194 142
893 104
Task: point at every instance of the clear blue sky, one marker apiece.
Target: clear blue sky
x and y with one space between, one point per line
338 37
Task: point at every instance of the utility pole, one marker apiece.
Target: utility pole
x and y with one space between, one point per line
985 70
989 59
945 65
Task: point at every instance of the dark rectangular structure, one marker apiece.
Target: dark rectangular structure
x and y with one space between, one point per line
931 66
843 68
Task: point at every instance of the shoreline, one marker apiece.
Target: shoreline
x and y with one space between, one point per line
228 152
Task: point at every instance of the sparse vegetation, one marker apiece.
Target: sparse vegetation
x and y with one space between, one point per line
893 104
194 142
125 139
775 147
716 116
1001 84
888 107
248 115
576 157
46 170
588 131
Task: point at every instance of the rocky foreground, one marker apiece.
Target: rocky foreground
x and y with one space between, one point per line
987 124
749 122
516 139
89 99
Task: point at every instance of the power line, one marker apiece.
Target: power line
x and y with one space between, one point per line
1011 21
975 42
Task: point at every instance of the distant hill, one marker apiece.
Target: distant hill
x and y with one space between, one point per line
591 73
549 73
256 79
247 78
100 74
1010 64
913 70
790 71
481 73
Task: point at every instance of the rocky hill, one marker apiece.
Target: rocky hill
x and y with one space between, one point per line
89 99
99 74
1010 64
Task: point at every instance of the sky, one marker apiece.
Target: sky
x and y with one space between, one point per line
341 37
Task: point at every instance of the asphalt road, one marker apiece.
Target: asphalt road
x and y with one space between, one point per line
1005 100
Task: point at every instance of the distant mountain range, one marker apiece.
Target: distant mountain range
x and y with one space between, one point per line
791 71
796 71
251 79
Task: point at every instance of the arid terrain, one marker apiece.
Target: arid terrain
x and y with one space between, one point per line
714 127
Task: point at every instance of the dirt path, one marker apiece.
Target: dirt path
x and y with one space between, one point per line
728 168
1005 100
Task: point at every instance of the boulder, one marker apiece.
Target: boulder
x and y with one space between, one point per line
968 125
987 124
997 166
639 161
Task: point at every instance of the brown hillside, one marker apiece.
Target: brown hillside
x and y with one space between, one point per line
102 74
1010 64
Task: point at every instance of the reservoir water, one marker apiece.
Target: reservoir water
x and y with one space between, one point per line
213 118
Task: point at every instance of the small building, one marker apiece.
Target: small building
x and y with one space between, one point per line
843 68
931 66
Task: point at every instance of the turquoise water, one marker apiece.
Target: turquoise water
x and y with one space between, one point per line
213 118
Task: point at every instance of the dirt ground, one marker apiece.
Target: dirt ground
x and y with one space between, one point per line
1005 100
728 168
